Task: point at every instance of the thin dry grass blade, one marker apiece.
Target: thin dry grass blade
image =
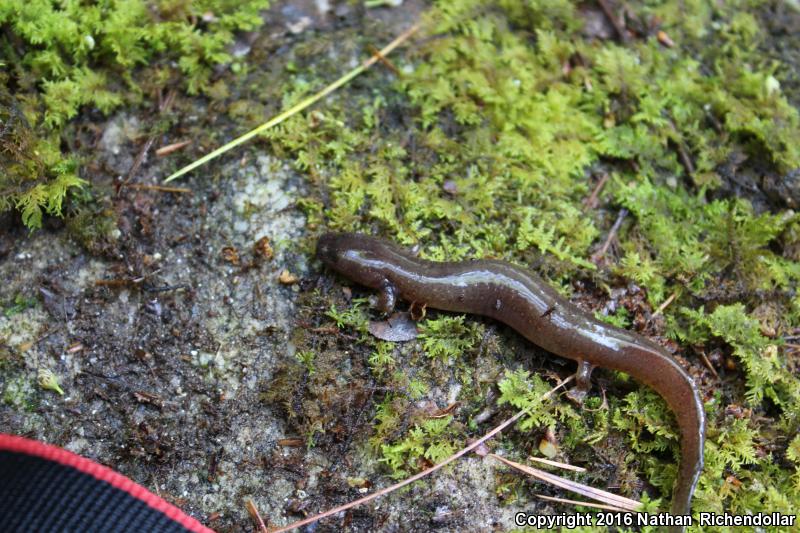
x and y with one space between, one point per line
299 106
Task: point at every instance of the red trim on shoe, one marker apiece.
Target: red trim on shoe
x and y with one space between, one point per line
17 444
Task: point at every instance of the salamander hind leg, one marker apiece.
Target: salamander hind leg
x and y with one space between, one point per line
387 298
583 382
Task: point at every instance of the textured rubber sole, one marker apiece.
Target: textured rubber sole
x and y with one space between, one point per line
46 488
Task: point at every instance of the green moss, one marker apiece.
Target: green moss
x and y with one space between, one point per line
428 440
382 359
306 358
793 454
354 316
92 223
447 337
19 304
524 392
34 175
643 412
66 56
682 237
766 374
621 318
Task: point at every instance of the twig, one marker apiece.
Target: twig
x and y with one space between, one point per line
591 202
602 406
715 123
621 31
665 304
708 364
686 160
163 107
422 474
164 104
139 159
165 288
388 64
565 466
300 105
611 234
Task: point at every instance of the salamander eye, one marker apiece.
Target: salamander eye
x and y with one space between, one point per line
498 304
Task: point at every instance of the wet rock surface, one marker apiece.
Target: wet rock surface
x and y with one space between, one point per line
159 351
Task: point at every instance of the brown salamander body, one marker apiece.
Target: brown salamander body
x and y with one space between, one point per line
522 300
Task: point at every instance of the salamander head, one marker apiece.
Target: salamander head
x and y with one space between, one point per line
329 248
357 257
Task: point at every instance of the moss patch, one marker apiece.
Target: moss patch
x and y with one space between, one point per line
62 57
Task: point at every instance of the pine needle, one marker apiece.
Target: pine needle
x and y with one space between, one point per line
609 498
578 502
557 464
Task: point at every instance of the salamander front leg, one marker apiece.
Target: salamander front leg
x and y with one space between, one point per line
387 297
583 382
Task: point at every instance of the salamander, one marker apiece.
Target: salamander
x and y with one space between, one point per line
522 300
